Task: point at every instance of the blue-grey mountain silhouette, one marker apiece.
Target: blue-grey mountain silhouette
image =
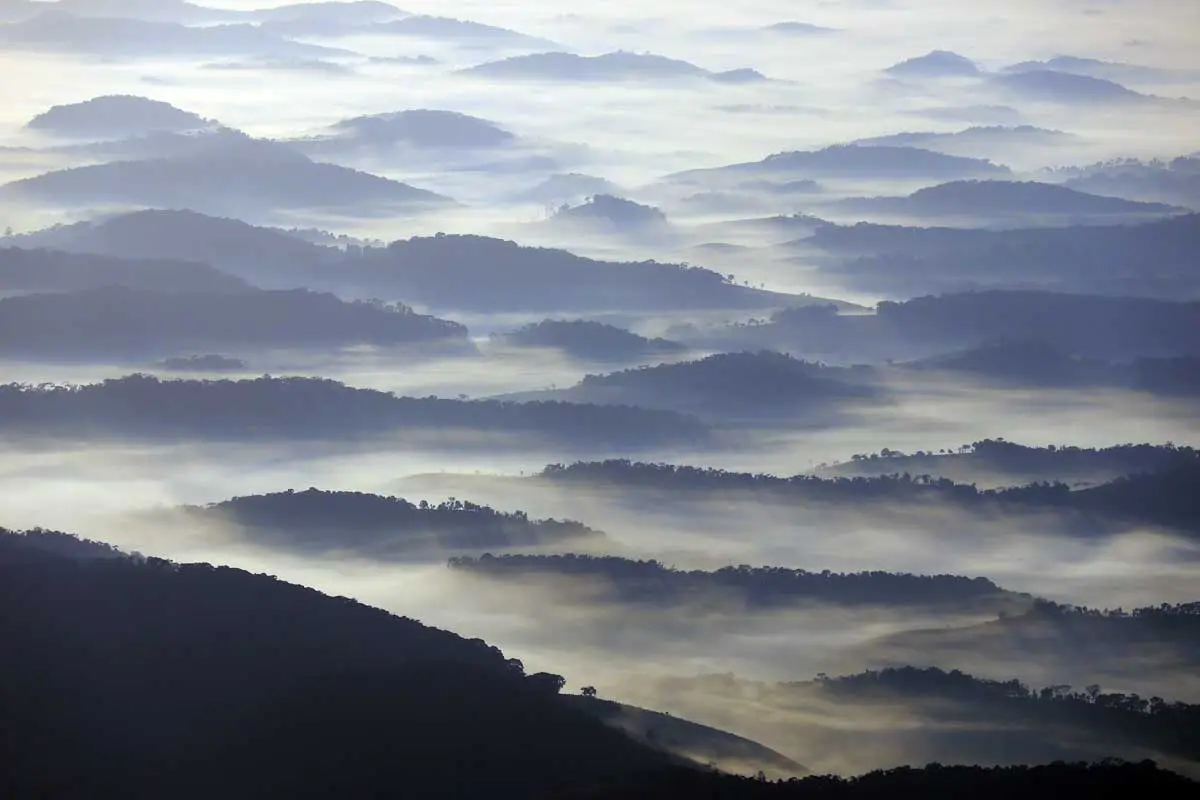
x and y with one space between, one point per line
1067 87
263 255
245 177
464 33
978 140
55 31
423 127
935 64
851 161
612 213
120 322
1176 182
982 198
116 116
567 188
586 339
38 270
1117 71
616 66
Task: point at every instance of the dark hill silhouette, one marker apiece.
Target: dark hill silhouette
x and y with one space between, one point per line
1176 182
1068 87
1007 463
52 271
115 37
1021 362
616 66
121 323
1167 497
260 254
463 33
1032 363
984 198
1116 329
423 127
1118 71
589 340
253 176
739 75
481 273
318 522
976 141
610 213
651 584
1017 361
312 408
115 116
739 385
1149 648
961 719
1160 498
266 687
1149 259
270 688
444 272
935 64
1077 324
853 161
155 144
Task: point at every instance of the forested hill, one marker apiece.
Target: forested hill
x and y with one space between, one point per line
1003 461
654 584
130 677
119 322
135 677
383 527
312 408
1165 498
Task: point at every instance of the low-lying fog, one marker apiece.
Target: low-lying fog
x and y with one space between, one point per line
828 81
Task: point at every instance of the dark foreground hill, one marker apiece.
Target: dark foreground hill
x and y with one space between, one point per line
144 407
142 678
